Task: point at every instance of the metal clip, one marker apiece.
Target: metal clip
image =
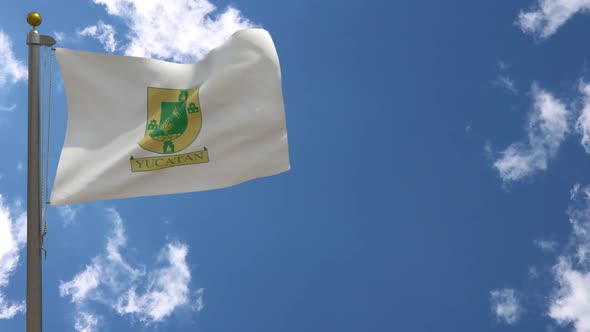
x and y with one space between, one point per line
45 228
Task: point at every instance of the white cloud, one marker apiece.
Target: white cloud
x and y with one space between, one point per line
507 83
107 274
570 303
59 37
546 245
105 34
182 31
82 284
583 122
11 69
86 322
505 305
167 288
115 243
19 166
575 190
547 129
9 310
198 304
148 295
547 16
579 217
13 237
67 214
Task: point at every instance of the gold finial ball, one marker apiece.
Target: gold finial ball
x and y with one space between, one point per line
34 19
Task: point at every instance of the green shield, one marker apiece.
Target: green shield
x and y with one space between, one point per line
173 121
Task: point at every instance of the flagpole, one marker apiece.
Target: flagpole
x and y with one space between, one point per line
34 285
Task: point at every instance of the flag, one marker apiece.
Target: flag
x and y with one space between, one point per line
139 127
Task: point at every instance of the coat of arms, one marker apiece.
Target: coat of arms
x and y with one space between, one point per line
174 121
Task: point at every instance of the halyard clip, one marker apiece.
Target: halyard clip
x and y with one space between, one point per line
43 240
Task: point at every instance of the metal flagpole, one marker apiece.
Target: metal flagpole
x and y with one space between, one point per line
34 302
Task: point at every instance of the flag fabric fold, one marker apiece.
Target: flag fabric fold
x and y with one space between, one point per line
139 127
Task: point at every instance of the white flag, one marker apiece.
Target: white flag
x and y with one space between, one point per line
139 127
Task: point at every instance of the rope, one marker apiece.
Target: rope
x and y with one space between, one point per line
52 54
46 181
43 110
42 138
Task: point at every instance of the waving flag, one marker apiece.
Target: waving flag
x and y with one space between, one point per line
140 127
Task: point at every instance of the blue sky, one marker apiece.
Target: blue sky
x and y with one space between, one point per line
439 181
